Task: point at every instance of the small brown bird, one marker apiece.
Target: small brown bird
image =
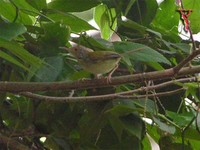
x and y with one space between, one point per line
96 62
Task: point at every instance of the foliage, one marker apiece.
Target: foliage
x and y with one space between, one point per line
30 36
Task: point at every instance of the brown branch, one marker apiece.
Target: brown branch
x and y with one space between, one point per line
95 98
107 96
69 99
86 84
159 86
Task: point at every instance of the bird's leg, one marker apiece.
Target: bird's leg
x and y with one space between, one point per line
110 74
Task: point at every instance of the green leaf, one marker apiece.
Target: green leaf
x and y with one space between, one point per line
183 47
22 4
74 135
163 126
134 26
8 11
21 53
37 4
11 30
106 20
73 6
146 143
166 20
180 119
148 105
134 125
56 34
53 69
143 11
121 110
12 60
140 52
76 24
195 15
117 125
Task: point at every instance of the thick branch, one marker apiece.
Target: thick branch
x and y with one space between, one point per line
86 84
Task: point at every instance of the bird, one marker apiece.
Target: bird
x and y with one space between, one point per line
96 62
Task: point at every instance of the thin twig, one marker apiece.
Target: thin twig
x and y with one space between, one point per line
160 94
186 61
94 98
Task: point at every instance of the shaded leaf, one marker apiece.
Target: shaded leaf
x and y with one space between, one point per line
11 30
21 53
180 119
76 24
12 60
73 6
139 52
53 69
143 11
163 126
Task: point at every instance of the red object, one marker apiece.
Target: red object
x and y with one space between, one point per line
184 15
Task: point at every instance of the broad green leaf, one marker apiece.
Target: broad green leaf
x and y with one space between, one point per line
11 30
134 125
153 132
95 44
139 52
183 47
76 24
73 6
121 110
180 119
155 65
164 126
117 125
195 15
148 105
106 20
192 134
146 143
37 4
8 11
53 69
166 20
143 11
22 4
21 53
12 60
134 26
